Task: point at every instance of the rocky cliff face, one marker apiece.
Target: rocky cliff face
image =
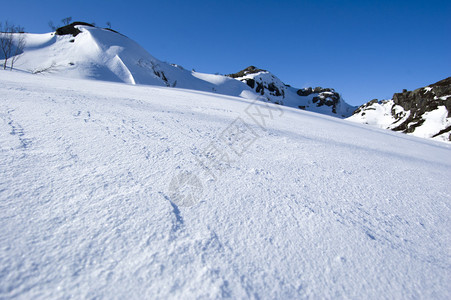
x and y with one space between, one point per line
318 99
322 96
421 101
424 112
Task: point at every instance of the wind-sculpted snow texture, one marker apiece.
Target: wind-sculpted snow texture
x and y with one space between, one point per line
117 191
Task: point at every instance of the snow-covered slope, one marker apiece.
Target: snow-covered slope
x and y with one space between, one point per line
96 53
425 112
110 190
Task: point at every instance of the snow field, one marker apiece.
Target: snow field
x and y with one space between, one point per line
311 207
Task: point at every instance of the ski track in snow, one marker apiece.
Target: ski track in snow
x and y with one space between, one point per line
315 207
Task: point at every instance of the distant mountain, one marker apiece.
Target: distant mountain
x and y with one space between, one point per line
424 112
80 50
322 100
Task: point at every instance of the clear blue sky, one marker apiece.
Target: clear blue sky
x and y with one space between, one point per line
363 49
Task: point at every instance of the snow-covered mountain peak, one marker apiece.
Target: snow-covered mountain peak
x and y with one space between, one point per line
80 50
318 99
89 52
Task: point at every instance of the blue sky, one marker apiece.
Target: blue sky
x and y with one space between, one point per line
363 49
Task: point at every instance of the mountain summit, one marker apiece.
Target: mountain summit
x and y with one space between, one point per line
318 99
80 50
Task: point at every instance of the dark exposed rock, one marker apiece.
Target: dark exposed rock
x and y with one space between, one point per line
250 82
261 85
305 91
442 83
409 127
260 89
417 102
248 70
71 29
274 90
447 129
161 75
422 100
318 89
326 97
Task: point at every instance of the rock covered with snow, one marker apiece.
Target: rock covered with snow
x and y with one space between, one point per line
322 100
424 112
71 28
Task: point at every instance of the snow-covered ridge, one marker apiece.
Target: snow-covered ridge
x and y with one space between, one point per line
424 112
321 100
88 52
96 53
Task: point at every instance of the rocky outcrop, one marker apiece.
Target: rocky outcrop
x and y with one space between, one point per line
266 84
426 99
71 29
421 101
263 83
304 92
410 110
325 96
248 70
